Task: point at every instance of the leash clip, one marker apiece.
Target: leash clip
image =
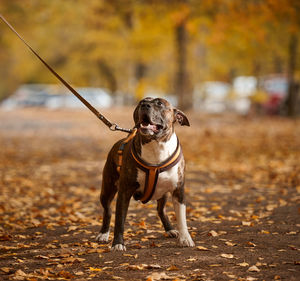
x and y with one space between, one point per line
113 127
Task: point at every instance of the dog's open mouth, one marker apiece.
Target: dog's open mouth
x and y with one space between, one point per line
148 127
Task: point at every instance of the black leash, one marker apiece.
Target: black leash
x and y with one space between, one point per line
110 125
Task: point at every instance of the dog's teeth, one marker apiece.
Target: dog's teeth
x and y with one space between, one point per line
149 127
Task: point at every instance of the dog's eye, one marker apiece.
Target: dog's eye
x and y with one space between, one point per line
159 103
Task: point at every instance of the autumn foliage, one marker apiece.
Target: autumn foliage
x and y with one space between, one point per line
137 46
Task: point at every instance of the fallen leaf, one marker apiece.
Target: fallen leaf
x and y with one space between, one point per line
213 233
227 256
95 269
65 274
20 275
201 248
72 228
247 223
5 237
253 268
243 264
152 266
251 244
291 233
129 255
157 276
6 269
135 267
230 243
42 257
172 268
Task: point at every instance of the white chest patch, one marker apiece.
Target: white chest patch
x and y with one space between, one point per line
155 153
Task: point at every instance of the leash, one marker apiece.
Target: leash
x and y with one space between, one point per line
110 125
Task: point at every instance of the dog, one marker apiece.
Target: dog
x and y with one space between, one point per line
147 165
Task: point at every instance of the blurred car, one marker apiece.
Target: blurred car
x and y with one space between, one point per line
211 96
54 97
29 95
244 87
276 87
97 97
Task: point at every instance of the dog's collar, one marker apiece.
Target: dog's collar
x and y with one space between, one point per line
153 171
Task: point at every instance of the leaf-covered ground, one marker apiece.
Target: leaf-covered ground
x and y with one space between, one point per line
243 192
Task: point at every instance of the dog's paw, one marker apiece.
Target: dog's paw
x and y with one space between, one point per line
173 233
102 237
118 247
186 241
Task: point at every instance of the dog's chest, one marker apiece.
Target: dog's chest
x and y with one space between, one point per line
155 153
167 182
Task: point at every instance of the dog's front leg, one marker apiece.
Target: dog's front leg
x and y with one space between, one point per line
171 232
121 212
180 211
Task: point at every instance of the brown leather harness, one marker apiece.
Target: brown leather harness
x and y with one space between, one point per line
152 171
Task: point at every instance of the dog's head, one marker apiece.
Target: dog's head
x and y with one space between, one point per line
155 117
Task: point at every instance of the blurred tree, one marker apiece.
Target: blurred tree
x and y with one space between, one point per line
155 46
182 86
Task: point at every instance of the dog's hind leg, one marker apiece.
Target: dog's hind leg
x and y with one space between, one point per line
161 203
108 192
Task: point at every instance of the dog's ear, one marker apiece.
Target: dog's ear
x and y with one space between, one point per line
180 117
135 115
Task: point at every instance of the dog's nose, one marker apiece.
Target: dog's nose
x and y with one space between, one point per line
145 105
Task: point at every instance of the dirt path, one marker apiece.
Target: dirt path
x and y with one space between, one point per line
243 192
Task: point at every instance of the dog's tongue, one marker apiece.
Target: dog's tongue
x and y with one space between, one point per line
149 126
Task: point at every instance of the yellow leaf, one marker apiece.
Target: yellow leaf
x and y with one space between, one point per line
95 269
227 256
201 248
243 264
213 233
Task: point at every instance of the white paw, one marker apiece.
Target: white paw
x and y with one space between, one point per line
118 247
102 237
186 240
172 233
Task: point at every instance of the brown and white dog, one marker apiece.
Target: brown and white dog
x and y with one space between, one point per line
151 166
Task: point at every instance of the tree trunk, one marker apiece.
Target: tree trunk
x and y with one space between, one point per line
182 85
109 75
140 73
291 101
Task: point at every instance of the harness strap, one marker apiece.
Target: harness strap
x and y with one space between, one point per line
152 171
122 146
